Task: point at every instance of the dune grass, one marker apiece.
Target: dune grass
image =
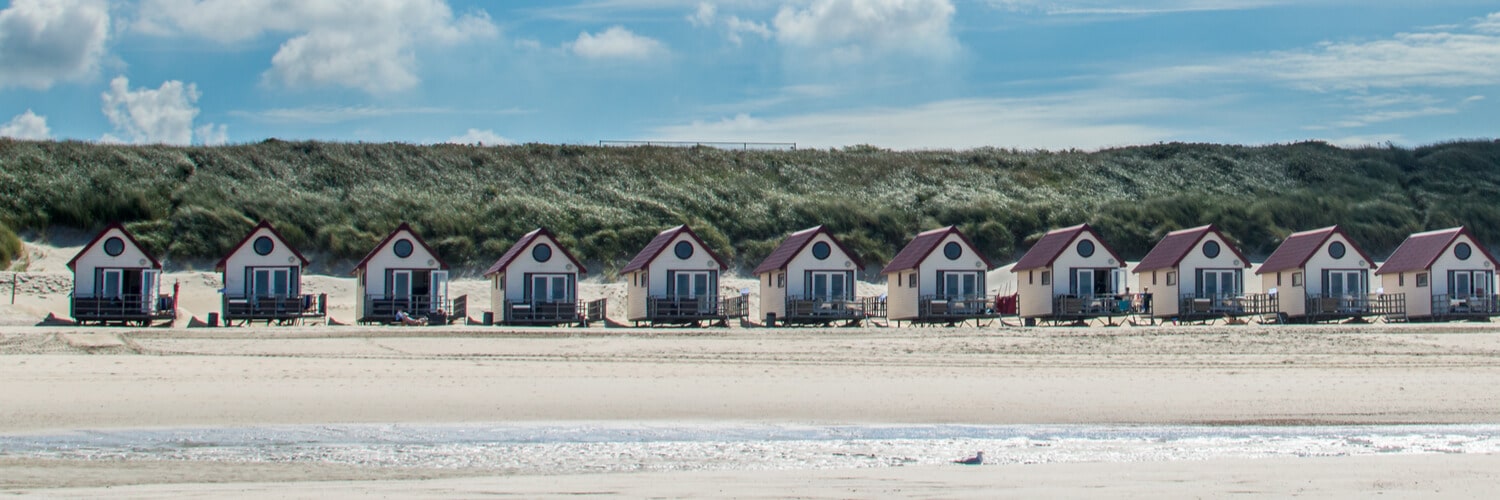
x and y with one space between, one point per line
336 200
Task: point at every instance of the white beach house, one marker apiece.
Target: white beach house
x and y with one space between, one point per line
115 281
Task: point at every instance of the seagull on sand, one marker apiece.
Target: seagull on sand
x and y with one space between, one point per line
977 459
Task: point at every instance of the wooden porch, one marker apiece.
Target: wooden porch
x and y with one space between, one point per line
289 310
124 310
824 311
1470 307
954 311
553 313
382 309
1388 307
694 311
1206 308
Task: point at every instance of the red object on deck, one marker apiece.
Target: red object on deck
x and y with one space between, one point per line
1008 304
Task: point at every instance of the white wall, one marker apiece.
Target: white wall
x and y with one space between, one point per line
515 273
968 261
1187 275
1070 260
667 261
1448 262
95 258
385 258
1320 260
796 269
281 256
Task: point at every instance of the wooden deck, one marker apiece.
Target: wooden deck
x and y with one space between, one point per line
697 311
1464 307
528 313
126 310
383 309
823 312
1206 308
953 311
291 310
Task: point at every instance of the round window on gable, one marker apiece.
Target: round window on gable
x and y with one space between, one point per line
683 250
1211 249
821 250
114 246
402 248
1463 251
263 245
952 251
1086 248
1336 250
542 252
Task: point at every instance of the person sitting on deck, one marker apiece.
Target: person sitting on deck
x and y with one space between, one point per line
406 319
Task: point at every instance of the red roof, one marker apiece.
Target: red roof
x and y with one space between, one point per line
1054 243
1421 250
516 249
1298 248
263 224
793 245
1170 251
403 227
921 246
659 243
155 264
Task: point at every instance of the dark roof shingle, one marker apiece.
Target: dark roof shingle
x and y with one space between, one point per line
660 242
793 245
1421 250
1178 244
923 244
403 227
156 264
1298 248
263 224
525 241
1054 243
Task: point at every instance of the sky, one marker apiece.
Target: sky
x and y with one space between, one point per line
899 74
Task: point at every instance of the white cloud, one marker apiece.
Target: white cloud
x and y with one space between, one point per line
704 16
1078 120
853 30
26 126
1406 60
46 41
363 44
212 135
1489 24
156 116
617 43
1131 8
481 137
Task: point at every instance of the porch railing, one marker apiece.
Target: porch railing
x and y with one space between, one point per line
123 307
937 306
1465 305
1092 306
292 306
524 311
1195 304
1385 304
873 307
383 308
799 307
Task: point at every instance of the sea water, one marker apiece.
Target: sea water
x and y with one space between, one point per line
621 447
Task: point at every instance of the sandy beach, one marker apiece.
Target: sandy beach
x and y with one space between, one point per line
60 379
105 382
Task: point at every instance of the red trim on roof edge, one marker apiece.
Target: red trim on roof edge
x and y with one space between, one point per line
156 264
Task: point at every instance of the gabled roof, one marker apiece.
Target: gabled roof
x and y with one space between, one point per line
660 242
921 246
263 224
403 227
154 263
1170 251
1421 250
793 245
1054 243
525 241
1298 248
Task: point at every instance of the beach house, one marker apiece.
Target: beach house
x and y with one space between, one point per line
809 279
263 281
674 280
536 283
402 275
938 277
1197 274
1444 274
115 281
1070 275
1322 275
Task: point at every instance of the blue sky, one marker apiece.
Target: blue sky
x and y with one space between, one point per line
904 74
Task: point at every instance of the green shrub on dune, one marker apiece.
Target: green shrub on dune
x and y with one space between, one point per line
336 200
10 247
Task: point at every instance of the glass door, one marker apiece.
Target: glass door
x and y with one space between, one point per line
827 286
695 286
149 279
960 285
438 290
112 284
400 288
1083 283
550 288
